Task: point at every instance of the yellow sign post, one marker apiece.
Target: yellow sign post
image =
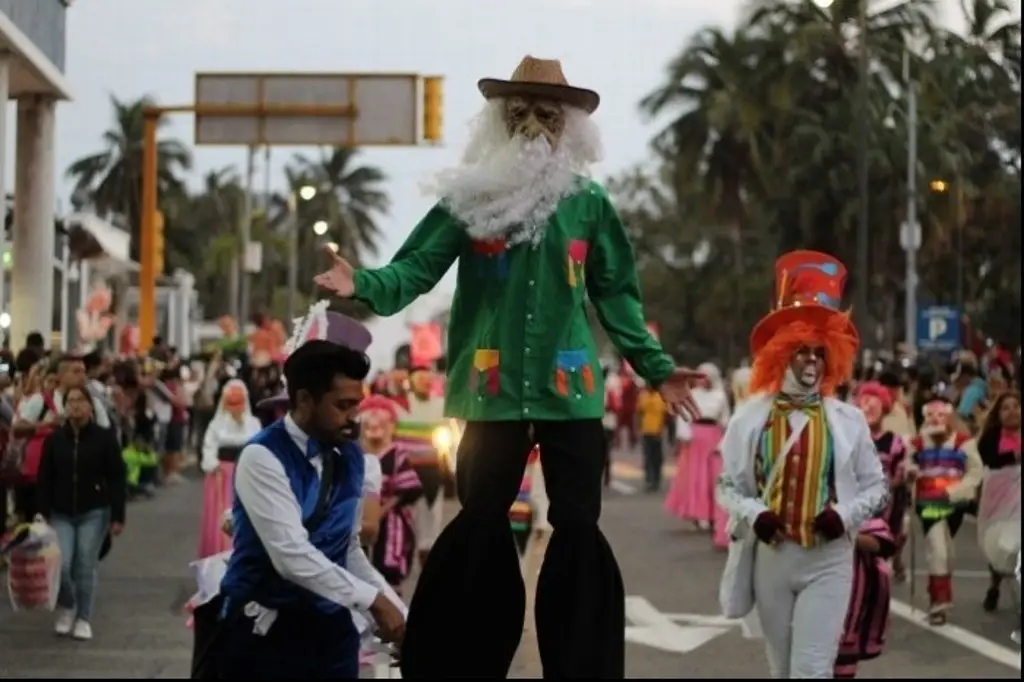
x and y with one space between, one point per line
277 109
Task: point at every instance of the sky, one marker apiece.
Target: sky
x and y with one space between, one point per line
130 48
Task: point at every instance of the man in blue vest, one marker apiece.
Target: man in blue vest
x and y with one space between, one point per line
298 580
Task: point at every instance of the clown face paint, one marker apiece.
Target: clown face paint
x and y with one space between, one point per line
377 430
234 401
808 365
938 416
535 118
872 408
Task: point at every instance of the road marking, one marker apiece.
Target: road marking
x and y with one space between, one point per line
965 574
965 638
654 629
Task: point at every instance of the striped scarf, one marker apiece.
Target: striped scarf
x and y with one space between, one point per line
817 454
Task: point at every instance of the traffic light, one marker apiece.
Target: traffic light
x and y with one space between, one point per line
433 122
158 244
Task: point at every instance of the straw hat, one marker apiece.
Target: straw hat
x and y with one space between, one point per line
542 78
809 288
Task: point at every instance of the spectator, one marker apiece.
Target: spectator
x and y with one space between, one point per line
31 354
81 493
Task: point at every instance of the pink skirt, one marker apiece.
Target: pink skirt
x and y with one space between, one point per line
691 496
217 497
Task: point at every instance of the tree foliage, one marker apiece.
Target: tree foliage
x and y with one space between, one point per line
201 232
759 156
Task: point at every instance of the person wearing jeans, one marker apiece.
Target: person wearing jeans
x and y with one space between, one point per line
81 493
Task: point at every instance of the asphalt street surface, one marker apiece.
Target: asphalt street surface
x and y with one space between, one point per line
671 574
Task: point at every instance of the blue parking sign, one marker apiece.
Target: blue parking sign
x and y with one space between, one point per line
938 328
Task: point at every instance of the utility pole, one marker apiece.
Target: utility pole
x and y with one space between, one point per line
246 237
861 314
910 235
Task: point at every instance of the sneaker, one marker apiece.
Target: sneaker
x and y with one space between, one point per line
65 621
82 631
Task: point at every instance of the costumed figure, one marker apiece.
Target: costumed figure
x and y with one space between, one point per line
800 473
417 426
999 501
867 618
944 468
400 489
692 494
876 401
299 593
520 516
230 429
535 238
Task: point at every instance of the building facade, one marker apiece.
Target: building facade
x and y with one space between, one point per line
32 60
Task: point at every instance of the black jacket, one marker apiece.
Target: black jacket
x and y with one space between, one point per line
80 472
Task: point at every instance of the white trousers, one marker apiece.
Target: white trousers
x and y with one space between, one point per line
801 597
429 519
938 549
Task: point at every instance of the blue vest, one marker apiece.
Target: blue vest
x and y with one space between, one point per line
250 575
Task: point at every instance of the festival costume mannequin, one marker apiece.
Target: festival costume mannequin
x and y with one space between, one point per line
800 470
423 414
533 237
876 401
945 469
400 490
302 613
232 426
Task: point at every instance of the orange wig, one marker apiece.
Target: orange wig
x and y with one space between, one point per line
833 334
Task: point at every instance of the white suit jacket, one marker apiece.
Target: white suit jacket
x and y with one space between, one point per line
861 486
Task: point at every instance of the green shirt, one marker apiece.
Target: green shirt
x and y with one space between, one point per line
520 346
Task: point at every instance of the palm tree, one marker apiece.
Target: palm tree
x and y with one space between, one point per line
350 198
111 180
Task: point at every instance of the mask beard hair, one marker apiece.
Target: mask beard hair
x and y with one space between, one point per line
511 192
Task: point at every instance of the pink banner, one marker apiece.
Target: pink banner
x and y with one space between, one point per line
425 346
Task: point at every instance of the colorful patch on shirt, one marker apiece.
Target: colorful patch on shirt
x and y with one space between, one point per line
490 257
486 375
577 259
572 368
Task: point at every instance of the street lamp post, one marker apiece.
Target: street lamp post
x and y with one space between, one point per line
304 193
863 275
911 235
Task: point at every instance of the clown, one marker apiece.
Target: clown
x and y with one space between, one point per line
535 238
231 427
400 489
945 469
876 402
800 474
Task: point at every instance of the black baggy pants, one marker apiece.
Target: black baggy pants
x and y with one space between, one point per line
471 587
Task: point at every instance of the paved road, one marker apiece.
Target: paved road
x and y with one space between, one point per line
669 570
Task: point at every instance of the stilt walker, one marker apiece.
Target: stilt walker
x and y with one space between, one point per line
535 239
800 473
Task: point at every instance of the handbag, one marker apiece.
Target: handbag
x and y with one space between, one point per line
209 626
21 460
736 588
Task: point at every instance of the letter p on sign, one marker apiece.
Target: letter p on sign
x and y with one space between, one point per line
936 328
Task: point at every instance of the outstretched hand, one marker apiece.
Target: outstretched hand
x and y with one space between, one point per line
340 279
676 392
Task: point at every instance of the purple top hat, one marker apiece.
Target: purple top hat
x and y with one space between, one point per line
321 324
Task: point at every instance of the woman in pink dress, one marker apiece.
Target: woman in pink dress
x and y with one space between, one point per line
231 427
691 495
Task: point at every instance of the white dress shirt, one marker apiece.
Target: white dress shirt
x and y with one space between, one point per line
266 494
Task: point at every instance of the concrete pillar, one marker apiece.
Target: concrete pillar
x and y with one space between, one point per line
5 94
34 237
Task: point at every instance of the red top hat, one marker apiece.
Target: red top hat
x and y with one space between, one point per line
808 288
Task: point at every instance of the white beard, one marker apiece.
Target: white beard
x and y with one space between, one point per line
511 191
